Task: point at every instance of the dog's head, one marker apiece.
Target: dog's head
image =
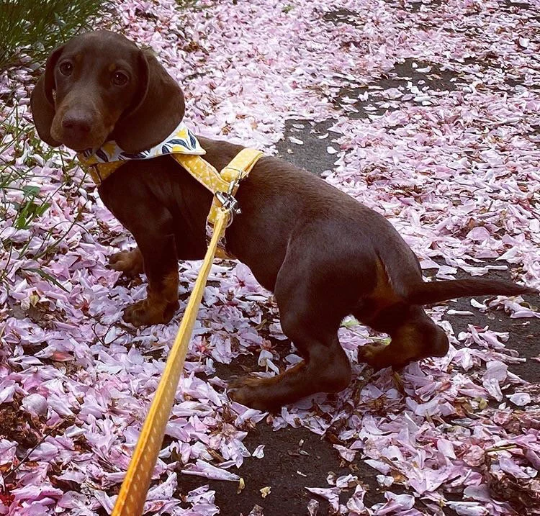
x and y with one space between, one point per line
101 86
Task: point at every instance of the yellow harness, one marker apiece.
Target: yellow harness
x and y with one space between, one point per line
223 185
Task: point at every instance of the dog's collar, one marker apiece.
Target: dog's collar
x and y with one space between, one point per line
102 162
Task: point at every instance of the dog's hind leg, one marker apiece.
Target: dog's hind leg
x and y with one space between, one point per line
414 336
311 312
325 368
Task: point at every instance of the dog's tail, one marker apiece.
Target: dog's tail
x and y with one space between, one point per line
427 293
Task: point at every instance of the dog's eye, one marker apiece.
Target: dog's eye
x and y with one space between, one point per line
66 68
120 78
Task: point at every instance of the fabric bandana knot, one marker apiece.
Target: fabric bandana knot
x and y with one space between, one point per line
101 163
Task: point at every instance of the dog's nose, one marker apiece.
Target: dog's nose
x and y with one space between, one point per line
78 123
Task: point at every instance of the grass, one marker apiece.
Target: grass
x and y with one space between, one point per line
34 28
22 202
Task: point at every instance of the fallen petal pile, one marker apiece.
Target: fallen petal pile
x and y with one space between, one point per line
433 117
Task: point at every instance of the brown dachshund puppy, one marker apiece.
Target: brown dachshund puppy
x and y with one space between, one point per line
322 253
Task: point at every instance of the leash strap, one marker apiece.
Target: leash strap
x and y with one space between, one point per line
132 496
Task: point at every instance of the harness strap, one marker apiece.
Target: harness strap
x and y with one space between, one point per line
226 181
202 171
223 185
100 171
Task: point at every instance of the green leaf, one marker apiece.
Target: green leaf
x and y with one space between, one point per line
30 190
350 322
48 277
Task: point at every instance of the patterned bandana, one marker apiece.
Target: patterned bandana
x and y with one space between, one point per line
180 141
101 163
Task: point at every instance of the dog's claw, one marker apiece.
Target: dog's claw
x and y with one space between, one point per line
249 391
143 314
128 262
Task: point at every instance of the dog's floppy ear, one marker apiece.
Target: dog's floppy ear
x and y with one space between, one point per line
158 108
42 100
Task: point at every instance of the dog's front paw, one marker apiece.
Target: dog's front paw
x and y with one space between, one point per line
143 313
128 262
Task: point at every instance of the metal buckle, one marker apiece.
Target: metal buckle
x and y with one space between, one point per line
228 202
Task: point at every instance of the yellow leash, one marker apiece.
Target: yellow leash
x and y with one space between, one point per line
132 496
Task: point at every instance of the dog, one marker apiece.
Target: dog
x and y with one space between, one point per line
323 254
